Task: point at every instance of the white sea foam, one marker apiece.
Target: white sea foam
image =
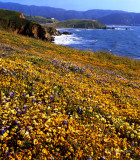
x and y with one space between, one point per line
94 40
120 29
117 27
67 39
78 30
87 39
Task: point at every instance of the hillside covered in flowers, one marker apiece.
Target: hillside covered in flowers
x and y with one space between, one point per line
59 103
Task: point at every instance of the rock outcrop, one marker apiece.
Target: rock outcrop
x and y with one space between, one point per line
37 31
67 33
52 31
21 16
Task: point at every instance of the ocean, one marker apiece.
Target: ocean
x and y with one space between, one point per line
123 40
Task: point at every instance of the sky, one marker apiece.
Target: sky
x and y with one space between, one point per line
83 5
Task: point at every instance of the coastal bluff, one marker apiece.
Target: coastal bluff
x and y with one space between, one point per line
15 22
80 23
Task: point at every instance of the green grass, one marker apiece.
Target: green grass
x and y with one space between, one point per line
7 14
80 23
41 20
11 20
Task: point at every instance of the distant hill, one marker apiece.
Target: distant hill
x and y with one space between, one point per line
121 18
80 23
57 13
15 21
41 20
105 16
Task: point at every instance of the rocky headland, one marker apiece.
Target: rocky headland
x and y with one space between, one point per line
16 22
80 23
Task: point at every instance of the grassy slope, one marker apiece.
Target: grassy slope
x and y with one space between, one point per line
40 20
7 14
64 103
80 23
11 20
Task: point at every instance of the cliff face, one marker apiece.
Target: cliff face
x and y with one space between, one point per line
52 31
25 27
34 30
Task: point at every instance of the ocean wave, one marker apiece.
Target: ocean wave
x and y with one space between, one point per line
120 29
123 28
67 39
119 41
78 30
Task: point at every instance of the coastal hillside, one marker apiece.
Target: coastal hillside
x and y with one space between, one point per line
15 22
80 23
61 103
41 20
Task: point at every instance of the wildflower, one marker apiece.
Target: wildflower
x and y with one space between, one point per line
89 158
17 123
7 153
24 111
102 158
69 114
79 110
29 128
19 113
26 135
133 144
44 151
35 142
132 135
25 107
11 94
65 122
128 154
2 131
18 142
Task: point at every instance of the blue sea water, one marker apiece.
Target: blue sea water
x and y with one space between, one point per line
123 40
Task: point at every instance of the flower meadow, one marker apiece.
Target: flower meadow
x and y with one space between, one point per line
58 103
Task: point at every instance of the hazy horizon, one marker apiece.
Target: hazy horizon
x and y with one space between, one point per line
124 5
